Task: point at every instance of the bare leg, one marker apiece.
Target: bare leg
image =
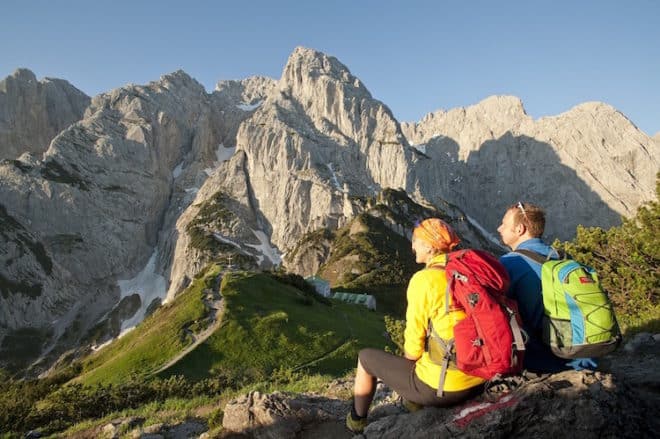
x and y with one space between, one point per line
363 390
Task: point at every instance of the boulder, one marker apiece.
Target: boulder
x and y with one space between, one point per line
620 401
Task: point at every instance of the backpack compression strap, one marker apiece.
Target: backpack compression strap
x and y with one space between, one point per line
447 347
447 291
519 334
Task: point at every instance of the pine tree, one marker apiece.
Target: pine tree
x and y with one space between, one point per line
627 258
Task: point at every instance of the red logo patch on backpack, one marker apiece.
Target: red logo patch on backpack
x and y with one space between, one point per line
489 341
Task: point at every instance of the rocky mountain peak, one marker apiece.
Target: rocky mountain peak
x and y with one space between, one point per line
512 106
180 78
33 112
306 65
336 102
247 92
24 75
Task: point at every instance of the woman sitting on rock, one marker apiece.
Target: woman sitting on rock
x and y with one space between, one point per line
415 377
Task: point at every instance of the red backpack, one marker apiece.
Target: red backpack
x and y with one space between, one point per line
488 342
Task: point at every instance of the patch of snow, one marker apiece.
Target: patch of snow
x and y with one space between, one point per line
102 345
191 190
221 238
149 285
123 333
335 181
223 154
484 232
266 249
177 170
249 107
209 171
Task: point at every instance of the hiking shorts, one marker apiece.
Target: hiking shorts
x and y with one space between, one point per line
398 373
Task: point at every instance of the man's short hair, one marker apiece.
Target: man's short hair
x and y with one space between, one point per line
531 216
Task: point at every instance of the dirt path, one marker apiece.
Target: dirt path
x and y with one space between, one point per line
213 301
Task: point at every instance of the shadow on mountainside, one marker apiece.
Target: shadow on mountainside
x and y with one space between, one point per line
504 171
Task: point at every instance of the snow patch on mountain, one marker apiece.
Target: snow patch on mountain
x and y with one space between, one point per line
149 285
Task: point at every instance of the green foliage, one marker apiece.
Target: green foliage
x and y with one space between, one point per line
627 258
18 397
204 240
52 407
212 215
395 330
315 239
367 257
301 284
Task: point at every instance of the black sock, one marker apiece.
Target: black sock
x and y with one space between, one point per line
354 414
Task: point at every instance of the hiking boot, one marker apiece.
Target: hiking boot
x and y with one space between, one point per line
410 406
355 425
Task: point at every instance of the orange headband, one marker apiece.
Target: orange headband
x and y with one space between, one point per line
437 233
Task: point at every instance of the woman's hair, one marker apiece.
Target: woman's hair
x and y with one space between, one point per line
437 234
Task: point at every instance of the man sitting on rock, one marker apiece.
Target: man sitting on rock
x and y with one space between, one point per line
521 229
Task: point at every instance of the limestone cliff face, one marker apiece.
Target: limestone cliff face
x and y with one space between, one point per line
33 112
318 138
100 197
587 166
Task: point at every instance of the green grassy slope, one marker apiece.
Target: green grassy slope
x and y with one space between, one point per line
154 341
266 326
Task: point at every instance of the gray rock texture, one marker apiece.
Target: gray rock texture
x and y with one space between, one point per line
33 112
98 200
320 137
587 166
621 402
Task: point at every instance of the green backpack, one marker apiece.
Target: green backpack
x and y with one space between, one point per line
579 319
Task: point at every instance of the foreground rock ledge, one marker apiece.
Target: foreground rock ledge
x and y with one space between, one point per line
622 402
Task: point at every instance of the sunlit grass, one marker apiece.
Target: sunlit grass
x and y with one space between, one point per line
153 342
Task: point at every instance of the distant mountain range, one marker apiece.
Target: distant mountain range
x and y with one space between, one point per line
111 205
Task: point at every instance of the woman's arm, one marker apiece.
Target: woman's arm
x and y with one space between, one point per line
416 317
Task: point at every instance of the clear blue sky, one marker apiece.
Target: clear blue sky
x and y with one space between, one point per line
416 56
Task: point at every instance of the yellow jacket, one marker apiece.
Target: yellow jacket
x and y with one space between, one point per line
426 299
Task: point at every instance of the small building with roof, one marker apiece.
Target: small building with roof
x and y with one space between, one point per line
358 299
321 285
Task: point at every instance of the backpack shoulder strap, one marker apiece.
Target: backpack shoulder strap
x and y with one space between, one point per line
539 259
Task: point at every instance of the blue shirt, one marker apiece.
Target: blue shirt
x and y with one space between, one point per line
525 289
